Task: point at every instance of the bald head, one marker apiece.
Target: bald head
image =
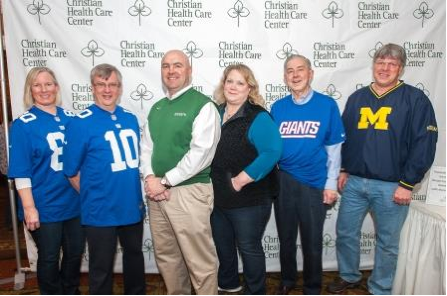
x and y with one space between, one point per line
175 71
178 54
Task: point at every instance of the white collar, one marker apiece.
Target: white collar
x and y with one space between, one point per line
179 93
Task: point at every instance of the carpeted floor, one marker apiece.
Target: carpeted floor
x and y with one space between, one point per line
155 285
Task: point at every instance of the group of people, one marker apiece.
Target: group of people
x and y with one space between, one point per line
211 173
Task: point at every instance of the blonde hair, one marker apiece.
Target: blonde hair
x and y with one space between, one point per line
254 96
28 100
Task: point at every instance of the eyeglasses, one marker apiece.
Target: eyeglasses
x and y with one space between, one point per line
385 64
111 86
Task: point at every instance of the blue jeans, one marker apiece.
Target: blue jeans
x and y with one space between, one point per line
360 196
300 207
241 228
49 239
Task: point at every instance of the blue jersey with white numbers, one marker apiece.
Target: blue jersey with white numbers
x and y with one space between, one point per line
36 149
104 148
305 131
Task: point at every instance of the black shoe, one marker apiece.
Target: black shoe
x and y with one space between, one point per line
339 285
283 290
232 290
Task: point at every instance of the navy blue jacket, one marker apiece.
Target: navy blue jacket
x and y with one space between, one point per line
391 137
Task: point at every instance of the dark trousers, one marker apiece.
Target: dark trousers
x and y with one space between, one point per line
300 206
241 228
102 248
50 238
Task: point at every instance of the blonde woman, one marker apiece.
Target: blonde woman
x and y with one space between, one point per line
48 205
244 180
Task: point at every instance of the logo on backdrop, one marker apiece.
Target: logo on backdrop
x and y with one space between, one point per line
38 7
423 12
274 92
232 53
148 247
192 51
328 244
36 52
134 54
81 96
420 52
371 15
327 54
372 52
92 50
285 51
279 14
332 91
417 52
83 13
182 13
238 11
139 9
141 94
271 246
367 242
333 12
422 87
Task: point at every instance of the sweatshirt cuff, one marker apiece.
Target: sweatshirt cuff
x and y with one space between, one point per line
406 185
331 184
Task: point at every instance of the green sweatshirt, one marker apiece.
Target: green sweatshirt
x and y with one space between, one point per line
170 127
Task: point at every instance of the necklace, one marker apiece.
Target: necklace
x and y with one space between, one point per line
227 115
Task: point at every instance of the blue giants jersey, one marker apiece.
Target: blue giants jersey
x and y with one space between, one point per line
36 149
305 131
103 147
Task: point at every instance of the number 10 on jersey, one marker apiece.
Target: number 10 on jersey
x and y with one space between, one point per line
125 137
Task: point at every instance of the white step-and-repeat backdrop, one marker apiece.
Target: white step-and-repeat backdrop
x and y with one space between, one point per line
339 36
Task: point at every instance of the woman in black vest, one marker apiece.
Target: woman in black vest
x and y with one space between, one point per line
244 180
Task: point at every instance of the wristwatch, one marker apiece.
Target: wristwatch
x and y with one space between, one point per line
165 182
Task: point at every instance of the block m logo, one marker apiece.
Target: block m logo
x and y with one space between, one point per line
377 119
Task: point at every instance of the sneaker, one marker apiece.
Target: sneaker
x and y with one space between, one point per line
231 290
339 285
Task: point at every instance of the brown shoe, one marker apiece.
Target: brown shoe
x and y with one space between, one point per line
339 285
283 290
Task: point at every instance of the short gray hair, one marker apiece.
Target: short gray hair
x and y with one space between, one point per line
104 71
391 50
297 56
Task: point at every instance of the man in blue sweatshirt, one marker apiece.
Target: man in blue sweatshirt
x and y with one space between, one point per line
391 137
312 134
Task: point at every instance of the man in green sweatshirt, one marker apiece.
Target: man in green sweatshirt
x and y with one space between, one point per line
178 144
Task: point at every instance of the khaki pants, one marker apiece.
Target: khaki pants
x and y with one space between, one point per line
183 244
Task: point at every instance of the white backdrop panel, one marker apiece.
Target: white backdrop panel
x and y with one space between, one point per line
338 36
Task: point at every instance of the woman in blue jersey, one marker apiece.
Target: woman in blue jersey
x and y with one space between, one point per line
48 205
244 180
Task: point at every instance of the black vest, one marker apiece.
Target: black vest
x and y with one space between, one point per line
234 153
